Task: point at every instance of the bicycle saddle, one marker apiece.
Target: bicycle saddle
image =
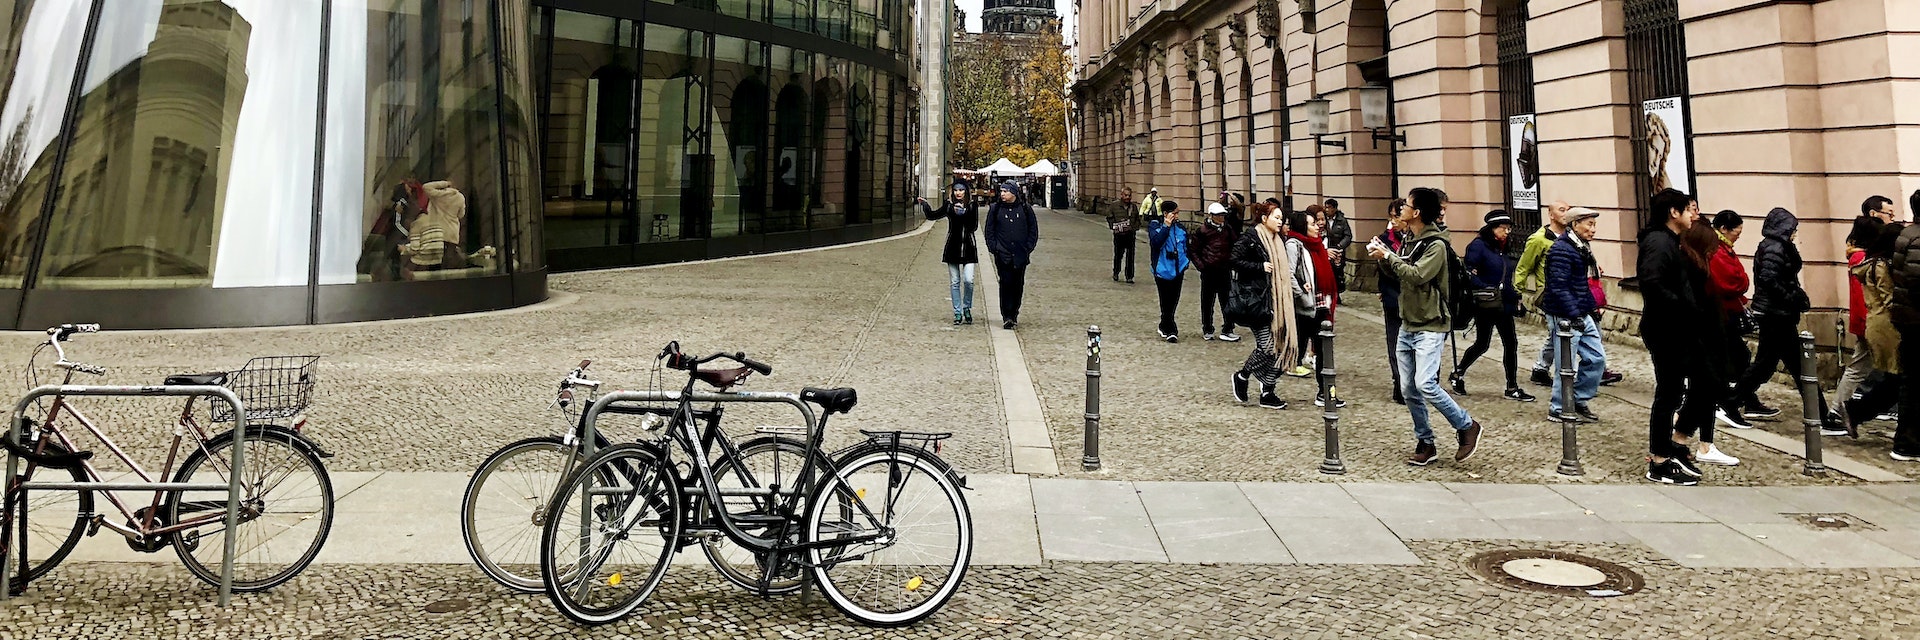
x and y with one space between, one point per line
722 379
833 401
197 379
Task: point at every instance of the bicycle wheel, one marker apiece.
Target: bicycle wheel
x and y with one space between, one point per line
611 530
506 505
51 522
924 536
286 509
761 463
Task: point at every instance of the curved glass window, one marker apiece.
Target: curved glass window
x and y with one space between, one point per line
41 54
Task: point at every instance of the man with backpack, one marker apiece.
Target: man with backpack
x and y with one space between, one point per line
1569 296
1426 267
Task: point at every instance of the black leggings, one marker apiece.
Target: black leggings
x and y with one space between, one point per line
1485 321
1779 348
1686 384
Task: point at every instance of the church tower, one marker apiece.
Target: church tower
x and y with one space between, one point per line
1019 16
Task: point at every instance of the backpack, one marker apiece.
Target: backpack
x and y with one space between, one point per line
1458 306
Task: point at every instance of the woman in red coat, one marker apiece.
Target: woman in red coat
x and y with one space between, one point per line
1728 284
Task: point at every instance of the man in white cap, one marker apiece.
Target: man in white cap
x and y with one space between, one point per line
1212 254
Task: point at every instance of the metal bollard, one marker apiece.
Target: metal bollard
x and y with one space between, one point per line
1331 396
1090 447
1569 428
1810 418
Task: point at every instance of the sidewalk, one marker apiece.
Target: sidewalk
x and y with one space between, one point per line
413 518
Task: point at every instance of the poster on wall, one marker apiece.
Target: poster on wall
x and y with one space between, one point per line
1523 162
1667 162
1286 169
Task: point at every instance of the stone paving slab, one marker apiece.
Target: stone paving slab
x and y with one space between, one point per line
1706 545
1342 541
1849 500
1630 504
1518 501
1093 538
1283 500
1006 531
1730 504
1419 500
1824 549
1238 540
1445 528
1591 530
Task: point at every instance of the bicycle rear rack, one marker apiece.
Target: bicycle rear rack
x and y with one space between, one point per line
232 486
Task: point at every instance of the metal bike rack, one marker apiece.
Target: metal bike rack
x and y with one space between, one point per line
587 420
233 476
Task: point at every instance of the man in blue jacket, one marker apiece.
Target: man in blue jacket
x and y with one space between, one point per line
1012 233
1569 296
1168 242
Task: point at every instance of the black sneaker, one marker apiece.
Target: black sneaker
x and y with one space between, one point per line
1519 394
1834 425
1586 413
1320 400
1669 473
1240 387
1732 418
1009 325
1170 337
1758 410
1207 336
1458 381
1270 401
1686 465
1229 336
1397 398
1609 378
1542 378
969 316
1116 276
1556 415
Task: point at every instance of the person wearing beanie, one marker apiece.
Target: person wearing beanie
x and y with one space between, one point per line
1421 267
1125 223
960 252
1167 242
1013 231
1212 255
1496 303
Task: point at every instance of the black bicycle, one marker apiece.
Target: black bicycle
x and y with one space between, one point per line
881 527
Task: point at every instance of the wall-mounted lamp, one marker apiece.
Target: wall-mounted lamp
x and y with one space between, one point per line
1319 116
1374 107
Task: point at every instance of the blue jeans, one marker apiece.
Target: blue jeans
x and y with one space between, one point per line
1592 361
1419 358
959 275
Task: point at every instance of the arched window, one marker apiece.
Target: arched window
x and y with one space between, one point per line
790 137
1246 107
1657 84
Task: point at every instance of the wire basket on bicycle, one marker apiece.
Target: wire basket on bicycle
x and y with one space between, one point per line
271 387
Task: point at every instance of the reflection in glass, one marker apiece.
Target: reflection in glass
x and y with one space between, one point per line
828 204
589 133
790 140
674 175
740 108
42 49
191 162
518 112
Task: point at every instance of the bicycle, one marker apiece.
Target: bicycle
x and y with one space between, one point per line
505 504
888 562
287 508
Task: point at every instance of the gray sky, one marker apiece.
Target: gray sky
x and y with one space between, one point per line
972 7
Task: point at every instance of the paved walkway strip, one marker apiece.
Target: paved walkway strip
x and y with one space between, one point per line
392 517
1028 440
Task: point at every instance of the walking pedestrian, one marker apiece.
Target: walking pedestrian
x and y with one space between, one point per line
1496 304
1305 287
1339 235
1263 302
1729 287
1569 296
1213 257
1903 308
1530 277
1325 293
1013 231
1167 240
1421 267
1879 208
1679 334
1394 238
1125 224
1881 336
960 253
1718 332
1778 301
1866 229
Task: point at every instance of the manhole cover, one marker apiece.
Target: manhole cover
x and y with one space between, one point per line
1554 572
449 605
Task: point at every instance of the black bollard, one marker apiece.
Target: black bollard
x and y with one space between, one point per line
1331 398
1090 447
1809 380
1570 421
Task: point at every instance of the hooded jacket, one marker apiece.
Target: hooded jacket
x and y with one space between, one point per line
1880 332
1568 292
1169 245
963 222
1213 246
1012 229
1677 307
1904 274
1776 269
1421 268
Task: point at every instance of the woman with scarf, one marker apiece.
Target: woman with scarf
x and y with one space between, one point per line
1306 235
1263 301
1727 283
960 253
1303 286
1395 237
1492 274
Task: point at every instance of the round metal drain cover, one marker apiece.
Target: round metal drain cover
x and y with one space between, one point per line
1555 572
449 605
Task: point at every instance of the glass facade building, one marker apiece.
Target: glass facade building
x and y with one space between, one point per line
179 163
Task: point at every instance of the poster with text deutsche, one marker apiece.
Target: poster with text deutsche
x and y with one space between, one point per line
1667 162
1523 162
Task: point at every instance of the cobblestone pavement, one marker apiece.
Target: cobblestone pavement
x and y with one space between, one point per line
1437 599
441 394
1166 411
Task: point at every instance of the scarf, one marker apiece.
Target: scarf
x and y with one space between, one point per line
1282 283
1323 280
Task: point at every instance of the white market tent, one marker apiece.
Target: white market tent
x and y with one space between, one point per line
1042 168
1004 168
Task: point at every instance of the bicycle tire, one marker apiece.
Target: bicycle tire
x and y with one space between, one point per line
836 569
56 501
736 564
509 494
572 578
304 507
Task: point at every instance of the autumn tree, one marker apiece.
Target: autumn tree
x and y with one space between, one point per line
1007 98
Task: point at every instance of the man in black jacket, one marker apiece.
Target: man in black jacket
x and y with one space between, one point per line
1905 311
1339 236
1012 233
1212 252
1674 319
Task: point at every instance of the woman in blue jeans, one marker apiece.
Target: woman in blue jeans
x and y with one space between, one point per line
961 254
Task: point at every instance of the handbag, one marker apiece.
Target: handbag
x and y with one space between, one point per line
1746 323
1487 298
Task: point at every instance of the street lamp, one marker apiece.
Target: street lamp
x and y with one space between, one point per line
1319 122
1375 103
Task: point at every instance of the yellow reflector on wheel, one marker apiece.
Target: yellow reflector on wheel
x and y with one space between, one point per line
915 583
613 580
860 493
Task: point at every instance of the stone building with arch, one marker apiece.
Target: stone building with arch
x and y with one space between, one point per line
1748 104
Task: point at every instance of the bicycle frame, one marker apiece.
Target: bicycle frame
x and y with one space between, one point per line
143 526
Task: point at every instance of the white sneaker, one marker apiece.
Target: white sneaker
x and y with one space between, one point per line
1901 457
1734 420
1713 456
1229 337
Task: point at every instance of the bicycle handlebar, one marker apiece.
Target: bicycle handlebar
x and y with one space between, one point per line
65 331
678 360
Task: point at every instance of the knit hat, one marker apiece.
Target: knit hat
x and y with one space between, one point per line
1009 186
1497 217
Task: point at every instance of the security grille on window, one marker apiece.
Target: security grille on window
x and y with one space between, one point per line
1522 157
1657 84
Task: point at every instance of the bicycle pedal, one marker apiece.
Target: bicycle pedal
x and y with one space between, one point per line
781 431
